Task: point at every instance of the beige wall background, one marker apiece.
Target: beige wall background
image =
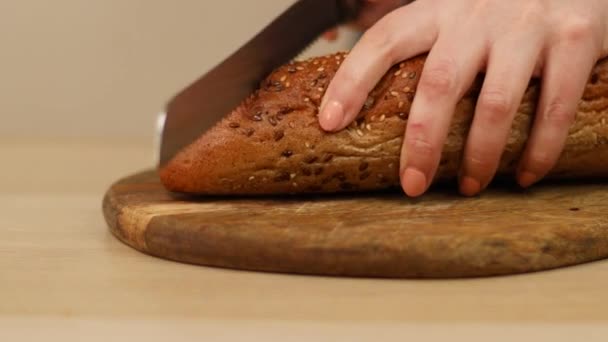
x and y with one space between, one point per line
104 68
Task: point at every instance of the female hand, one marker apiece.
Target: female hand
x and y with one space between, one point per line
559 40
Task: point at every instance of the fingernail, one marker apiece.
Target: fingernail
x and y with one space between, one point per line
414 182
527 178
469 186
331 116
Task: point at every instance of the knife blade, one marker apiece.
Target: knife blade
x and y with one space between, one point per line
203 103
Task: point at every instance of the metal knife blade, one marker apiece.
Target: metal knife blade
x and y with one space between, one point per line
199 106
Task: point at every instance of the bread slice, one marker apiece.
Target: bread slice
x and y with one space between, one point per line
273 144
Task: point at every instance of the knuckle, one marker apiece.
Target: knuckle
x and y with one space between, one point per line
557 113
439 78
540 162
494 105
479 162
420 147
481 159
417 142
533 12
576 28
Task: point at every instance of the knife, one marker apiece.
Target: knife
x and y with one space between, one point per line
203 103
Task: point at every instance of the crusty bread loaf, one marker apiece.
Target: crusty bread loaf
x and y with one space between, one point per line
273 143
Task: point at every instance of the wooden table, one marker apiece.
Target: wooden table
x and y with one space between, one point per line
62 275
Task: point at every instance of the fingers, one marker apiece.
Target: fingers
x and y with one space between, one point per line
448 72
401 34
509 71
564 78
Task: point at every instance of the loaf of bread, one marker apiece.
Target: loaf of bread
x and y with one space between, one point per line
272 143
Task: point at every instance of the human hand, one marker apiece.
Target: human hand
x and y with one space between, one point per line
512 41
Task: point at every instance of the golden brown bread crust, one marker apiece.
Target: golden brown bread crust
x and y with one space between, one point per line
273 144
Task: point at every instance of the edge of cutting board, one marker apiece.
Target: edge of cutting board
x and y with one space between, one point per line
441 235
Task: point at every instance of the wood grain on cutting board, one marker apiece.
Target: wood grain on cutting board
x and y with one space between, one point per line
504 231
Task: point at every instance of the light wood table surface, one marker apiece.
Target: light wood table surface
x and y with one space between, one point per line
64 276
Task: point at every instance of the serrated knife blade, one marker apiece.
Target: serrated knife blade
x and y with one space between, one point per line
203 103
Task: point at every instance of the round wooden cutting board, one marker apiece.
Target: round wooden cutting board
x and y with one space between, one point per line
442 234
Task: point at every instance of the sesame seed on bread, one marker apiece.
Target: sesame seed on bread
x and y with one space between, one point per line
273 144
